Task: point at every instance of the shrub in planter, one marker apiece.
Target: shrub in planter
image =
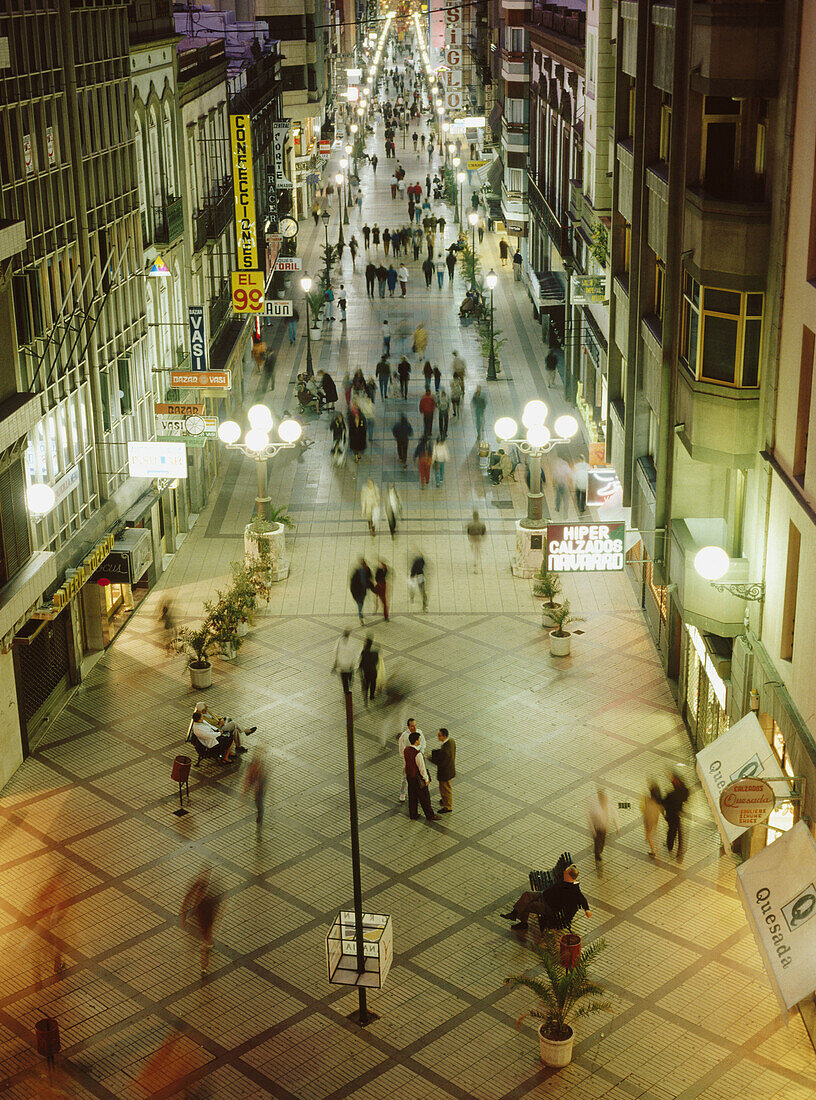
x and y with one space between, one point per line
264 546
196 644
561 617
225 617
547 586
564 996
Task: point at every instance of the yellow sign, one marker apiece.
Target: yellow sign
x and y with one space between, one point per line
474 164
68 590
244 189
247 291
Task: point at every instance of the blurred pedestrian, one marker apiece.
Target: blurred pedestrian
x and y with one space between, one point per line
366 235
402 432
201 906
427 271
347 652
357 434
370 505
393 507
369 659
353 249
404 373
602 817
479 403
580 479
673 803
383 374
386 338
423 456
651 807
443 405
455 395
258 354
458 368
381 585
518 260
561 480
476 533
445 759
437 377
439 457
551 368
360 585
292 324
420 340
255 785
504 251
49 908
167 619
427 407
416 580
450 263
341 302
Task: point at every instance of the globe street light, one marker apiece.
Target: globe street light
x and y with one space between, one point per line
491 279
326 218
306 286
257 444
473 217
347 200
712 563
338 179
536 442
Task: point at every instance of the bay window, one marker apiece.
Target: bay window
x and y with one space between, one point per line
722 332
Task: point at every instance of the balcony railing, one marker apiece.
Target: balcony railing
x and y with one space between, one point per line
219 308
168 221
201 223
219 210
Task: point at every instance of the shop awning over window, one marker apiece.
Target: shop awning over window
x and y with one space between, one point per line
742 752
776 888
495 174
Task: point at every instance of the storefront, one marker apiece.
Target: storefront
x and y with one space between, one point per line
121 583
704 686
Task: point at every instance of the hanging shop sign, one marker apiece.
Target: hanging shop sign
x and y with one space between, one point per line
195 430
288 263
280 135
66 592
130 556
279 307
352 94
244 191
585 547
602 484
157 459
588 288
777 888
747 802
354 76
324 147
181 409
198 338
474 164
272 200
247 291
201 380
66 484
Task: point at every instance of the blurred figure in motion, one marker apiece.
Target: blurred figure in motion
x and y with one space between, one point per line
159 1070
602 817
381 587
200 908
167 619
255 784
475 533
49 907
416 580
651 807
673 803
369 663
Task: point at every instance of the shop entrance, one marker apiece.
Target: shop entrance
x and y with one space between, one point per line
45 670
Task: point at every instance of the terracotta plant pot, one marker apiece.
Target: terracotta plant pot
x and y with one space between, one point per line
560 645
555 1052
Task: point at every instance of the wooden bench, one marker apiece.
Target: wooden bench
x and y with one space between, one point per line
541 880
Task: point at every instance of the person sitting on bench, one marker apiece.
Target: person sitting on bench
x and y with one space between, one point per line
209 738
225 725
557 904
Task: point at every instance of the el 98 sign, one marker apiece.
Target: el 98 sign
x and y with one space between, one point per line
247 291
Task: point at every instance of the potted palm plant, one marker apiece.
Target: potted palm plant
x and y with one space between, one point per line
560 638
225 616
196 644
565 994
548 587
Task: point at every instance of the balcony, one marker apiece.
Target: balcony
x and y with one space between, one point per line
219 210
728 237
719 423
576 204
737 46
219 308
625 157
201 229
514 205
514 66
168 221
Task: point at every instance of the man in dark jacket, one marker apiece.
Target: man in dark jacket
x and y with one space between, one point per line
428 270
673 803
402 432
445 759
557 903
370 278
404 373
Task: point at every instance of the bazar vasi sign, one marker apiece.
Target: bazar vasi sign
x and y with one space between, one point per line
585 547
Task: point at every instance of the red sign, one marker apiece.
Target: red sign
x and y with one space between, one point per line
324 147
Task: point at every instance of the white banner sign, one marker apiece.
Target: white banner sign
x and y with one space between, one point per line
280 132
278 308
156 459
288 263
777 888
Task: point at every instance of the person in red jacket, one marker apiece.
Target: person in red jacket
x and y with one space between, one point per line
427 405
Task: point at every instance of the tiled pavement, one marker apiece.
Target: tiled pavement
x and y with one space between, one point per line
694 1015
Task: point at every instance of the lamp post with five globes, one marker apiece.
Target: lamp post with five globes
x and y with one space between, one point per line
257 444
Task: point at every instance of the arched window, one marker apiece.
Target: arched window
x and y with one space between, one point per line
169 153
154 159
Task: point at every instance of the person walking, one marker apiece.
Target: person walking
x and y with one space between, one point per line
369 659
479 403
328 297
480 228
339 440
504 251
673 803
359 585
420 341
382 279
375 160
423 455
359 201
396 243
427 407
416 773
402 745
394 185
437 377
416 243
561 480
456 393
404 373
201 906
370 278
440 270
328 388
445 759
580 480
255 781
392 279
366 235
386 334
402 432
375 237
347 649
353 249
651 807
416 580
602 817
415 138
440 455
450 263
292 324
476 532
381 582
357 434
383 374
427 271
341 302
393 506
370 505
443 405
551 367
386 239
403 279
517 266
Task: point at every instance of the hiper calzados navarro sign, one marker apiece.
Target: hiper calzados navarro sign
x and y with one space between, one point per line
244 190
585 547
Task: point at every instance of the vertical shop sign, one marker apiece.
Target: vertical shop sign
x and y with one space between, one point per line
280 132
243 187
198 339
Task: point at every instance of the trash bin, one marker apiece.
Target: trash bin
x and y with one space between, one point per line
181 769
570 950
48 1038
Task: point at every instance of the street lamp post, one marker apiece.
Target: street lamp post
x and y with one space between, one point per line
354 128
460 179
338 179
347 193
473 217
326 218
257 444
491 279
306 286
535 443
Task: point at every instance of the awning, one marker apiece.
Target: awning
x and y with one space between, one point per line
776 888
495 116
495 174
742 752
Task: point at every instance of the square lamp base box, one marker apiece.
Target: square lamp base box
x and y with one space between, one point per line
341 950
529 550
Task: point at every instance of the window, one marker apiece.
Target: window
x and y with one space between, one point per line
514 39
631 118
660 280
15 545
803 405
515 179
591 53
665 126
125 400
721 118
627 247
722 333
791 590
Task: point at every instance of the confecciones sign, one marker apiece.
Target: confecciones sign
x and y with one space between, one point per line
585 547
244 190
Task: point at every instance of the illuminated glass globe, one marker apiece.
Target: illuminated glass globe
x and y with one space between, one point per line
711 562
229 431
538 435
535 413
40 498
260 418
505 427
289 431
566 426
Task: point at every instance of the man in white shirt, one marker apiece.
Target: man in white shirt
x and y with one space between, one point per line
402 745
209 737
225 725
346 658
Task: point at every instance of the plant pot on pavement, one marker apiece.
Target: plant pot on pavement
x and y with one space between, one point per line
560 643
275 541
547 610
555 1052
242 629
200 674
